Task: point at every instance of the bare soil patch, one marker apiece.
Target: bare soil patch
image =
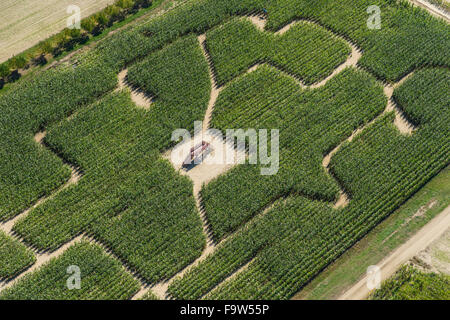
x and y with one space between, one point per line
25 23
435 258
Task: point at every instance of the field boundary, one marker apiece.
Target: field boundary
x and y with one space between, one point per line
418 242
432 9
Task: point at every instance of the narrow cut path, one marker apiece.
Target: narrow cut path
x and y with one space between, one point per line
74 178
401 122
41 259
138 96
260 22
161 288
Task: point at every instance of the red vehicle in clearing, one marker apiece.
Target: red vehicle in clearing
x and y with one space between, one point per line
197 154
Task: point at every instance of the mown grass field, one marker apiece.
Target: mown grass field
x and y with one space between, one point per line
269 235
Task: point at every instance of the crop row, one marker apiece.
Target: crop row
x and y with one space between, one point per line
307 51
380 167
100 278
311 123
129 198
15 257
27 170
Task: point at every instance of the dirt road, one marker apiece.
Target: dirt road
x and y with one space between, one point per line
420 241
431 8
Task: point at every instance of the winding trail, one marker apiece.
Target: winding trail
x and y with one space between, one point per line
7 227
215 89
43 257
141 100
138 96
74 178
160 289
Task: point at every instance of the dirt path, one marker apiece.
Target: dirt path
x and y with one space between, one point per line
41 259
74 178
204 173
215 90
432 9
420 241
401 122
436 257
138 96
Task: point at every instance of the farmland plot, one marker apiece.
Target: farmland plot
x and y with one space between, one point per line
15 257
25 23
103 278
271 235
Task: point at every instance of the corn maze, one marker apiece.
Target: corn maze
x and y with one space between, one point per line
364 123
